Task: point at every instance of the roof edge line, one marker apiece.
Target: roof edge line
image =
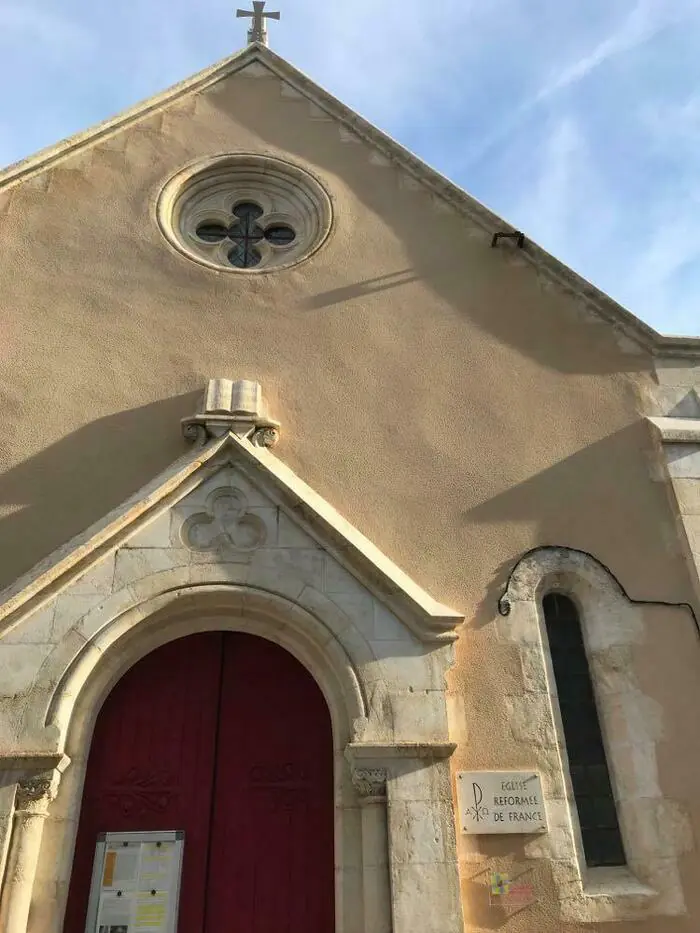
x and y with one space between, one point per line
565 277
30 590
51 155
343 540
606 308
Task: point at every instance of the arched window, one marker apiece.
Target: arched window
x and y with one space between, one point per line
602 842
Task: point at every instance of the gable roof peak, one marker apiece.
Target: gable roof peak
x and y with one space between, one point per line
257 59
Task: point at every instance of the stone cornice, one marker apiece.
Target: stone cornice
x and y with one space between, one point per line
555 271
677 430
27 766
76 557
380 751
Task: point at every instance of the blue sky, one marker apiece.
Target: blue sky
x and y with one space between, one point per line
576 120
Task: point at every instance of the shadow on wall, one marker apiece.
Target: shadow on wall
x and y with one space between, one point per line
507 856
84 476
440 248
380 283
587 482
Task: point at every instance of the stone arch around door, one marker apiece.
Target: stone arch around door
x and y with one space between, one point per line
365 755
378 647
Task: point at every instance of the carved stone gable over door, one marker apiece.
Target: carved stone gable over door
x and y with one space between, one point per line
230 540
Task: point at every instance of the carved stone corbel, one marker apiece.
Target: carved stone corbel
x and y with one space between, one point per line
232 406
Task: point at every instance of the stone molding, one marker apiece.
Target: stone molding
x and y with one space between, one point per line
362 751
650 884
28 765
539 569
37 778
232 406
201 606
677 430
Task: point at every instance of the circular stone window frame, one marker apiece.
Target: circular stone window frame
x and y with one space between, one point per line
248 176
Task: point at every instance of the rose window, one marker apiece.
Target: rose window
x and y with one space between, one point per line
245 213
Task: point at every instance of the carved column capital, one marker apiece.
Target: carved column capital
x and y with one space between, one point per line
370 784
34 794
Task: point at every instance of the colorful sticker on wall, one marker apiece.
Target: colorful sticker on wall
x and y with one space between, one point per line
500 884
505 892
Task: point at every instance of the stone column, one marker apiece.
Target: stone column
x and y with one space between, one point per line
32 800
370 784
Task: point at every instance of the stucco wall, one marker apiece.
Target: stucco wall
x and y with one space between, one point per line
452 404
426 383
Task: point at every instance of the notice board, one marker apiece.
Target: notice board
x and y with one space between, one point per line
136 883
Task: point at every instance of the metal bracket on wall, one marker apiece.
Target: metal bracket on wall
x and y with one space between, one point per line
514 235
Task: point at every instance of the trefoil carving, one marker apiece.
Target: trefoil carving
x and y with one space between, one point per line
225 525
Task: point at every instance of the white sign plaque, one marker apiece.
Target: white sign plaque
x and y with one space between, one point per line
500 802
135 883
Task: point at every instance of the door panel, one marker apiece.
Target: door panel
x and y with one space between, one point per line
271 858
151 766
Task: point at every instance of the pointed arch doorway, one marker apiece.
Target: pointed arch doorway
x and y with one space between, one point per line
228 737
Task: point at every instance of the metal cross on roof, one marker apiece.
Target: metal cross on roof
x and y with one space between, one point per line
258 29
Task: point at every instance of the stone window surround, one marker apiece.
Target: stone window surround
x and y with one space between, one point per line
650 883
207 190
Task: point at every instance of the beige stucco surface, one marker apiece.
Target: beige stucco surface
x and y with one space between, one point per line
451 403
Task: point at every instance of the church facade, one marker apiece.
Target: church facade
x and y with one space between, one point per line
350 545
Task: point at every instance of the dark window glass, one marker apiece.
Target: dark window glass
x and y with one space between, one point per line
248 211
212 232
602 842
244 232
280 235
244 256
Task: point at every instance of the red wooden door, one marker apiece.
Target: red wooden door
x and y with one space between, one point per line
228 737
271 851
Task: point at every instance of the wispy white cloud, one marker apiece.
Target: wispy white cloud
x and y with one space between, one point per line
552 195
673 126
646 19
388 58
